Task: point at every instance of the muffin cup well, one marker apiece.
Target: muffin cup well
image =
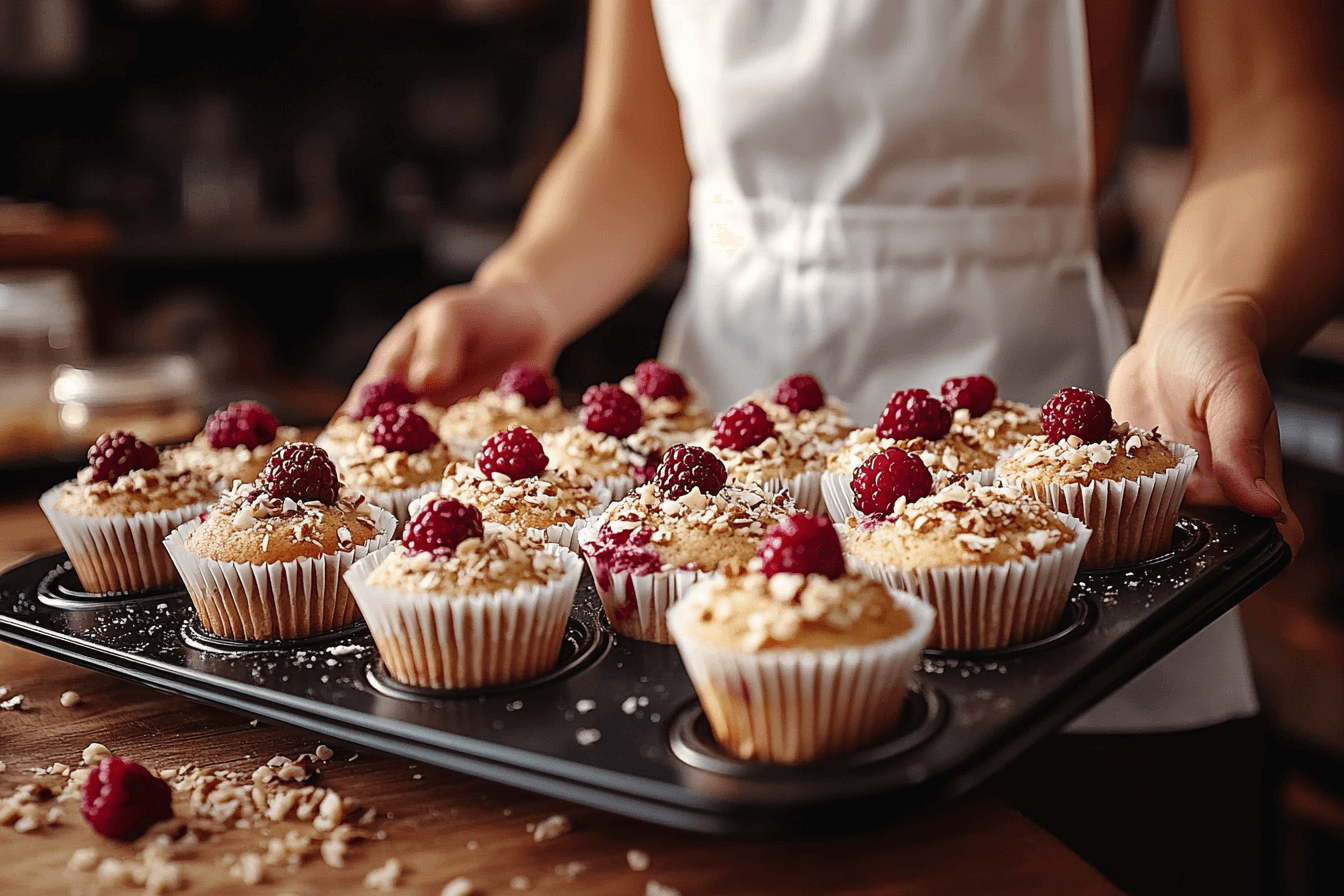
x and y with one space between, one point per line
795 705
467 641
262 601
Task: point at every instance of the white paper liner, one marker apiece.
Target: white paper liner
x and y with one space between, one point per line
261 601
619 486
986 607
398 501
838 494
1130 519
637 605
437 641
567 534
118 553
805 489
796 705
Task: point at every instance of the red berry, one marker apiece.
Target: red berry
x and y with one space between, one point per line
301 471
1076 412
685 467
117 453
742 427
974 393
400 428
515 452
243 423
389 390
803 544
889 475
440 526
914 412
612 410
800 392
123 798
656 380
533 383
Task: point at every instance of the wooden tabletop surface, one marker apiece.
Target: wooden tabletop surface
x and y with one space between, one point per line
414 828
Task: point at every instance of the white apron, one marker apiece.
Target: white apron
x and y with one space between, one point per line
888 193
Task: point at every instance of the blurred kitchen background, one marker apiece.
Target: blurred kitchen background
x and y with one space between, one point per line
204 200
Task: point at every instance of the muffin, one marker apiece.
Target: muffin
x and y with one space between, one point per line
668 402
235 444
799 402
112 518
511 486
340 435
459 604
397 459
526 396
609 444
979 415
778 458
1126 484
266 562
794 659
647 548
996 564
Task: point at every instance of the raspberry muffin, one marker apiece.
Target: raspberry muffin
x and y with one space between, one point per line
511 486
668 403
996 564
341 434
647 548
112 518
526 396
777 458
235 445
460 604
979 415
1126 484
609 444
793 658
266 561
397 459
798 402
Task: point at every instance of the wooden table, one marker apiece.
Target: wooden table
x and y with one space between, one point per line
437 824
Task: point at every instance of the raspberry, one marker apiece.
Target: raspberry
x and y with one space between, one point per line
800 392
440 526
685 467
535 385
1076 412
803 544
974 393
301 471
914 412
742 427
123 798
612 410
117 453
657 380
515 452
243 423
389 390
400 428
889 475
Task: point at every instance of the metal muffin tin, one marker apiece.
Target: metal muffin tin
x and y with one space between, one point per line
616 724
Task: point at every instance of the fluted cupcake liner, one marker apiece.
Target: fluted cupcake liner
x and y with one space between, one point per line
261 601
637 605
440 641
838 494
805 489
801 705
399 501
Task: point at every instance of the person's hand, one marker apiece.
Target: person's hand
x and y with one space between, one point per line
1200 381
461 339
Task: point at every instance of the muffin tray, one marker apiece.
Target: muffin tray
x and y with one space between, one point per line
616 724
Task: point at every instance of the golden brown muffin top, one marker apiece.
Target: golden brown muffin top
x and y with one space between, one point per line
250 526
497 561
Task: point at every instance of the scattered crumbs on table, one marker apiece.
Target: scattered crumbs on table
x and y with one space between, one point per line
471 844
630 705
384 878
586 736
586 706
637 859
653 888
458 886
570 870
520 883
15 702
70 699
550 828
324 752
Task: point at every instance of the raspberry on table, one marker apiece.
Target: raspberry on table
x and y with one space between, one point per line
440 526
974 393
914 412
117 453
515 452
610 409
400 428
122 799
687 467
534 384
653 379
800 392
742 426
301 471
389 390
244 423
886 476
1076 412
804 544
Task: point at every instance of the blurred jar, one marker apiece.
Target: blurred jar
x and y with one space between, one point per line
42 326
157 397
